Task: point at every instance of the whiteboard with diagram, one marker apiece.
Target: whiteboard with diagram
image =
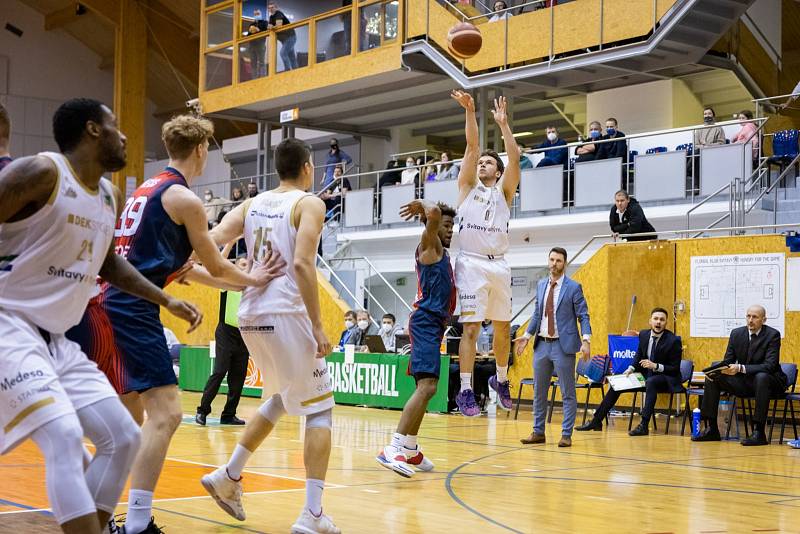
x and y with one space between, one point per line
724 286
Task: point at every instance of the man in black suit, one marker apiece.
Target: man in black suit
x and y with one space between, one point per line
753 370
659 360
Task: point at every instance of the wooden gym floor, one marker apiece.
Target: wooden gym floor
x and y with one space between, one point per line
485 480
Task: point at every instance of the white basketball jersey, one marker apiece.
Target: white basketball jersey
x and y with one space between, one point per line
268 224
484 218
50 260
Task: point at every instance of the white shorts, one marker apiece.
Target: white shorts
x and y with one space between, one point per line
283 348
484 288
40 382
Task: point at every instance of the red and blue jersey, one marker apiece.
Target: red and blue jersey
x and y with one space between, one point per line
122 332
436 287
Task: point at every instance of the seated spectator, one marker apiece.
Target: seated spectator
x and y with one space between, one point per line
236 197
447 170
708 136
411 173
499 14
427 173
613 149
364 328
524 161
627 217
335 191
556 156
5 137
213 206
659 360
350 329
252 190
389 329
393 174
588 150
753 370
748 132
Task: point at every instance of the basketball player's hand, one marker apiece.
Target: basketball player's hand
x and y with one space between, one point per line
412 209
323 345
186 311
464 99
500 111
519 344
585 352
271 269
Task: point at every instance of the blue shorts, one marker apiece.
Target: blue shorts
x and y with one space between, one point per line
128 346
426 332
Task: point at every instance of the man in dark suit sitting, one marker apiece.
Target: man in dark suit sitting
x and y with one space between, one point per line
659 360
753 370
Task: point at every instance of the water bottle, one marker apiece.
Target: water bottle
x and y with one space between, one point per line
695 422
724 415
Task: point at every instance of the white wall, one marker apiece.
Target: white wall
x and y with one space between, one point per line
216 176
637 108
766 15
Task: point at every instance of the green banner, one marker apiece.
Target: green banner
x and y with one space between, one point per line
375 380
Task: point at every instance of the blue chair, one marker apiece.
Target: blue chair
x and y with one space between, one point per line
656 150
632 155
788 402
785 148
523 382
687 368
687 147
580 372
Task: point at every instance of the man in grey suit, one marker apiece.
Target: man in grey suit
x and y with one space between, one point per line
560 306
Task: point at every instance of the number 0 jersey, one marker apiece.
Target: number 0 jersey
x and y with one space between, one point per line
269 224
50 260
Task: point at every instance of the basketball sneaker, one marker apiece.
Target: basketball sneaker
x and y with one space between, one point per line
226 491
414 457
395 459
467 405
795 443
308 523
503 393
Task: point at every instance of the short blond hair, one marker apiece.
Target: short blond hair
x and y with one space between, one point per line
183 133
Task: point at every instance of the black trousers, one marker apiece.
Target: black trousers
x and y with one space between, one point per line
654 385
762 386
232 356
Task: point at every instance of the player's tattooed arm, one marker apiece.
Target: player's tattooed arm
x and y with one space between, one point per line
25 187
121 274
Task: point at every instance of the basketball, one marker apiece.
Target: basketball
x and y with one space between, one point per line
464 40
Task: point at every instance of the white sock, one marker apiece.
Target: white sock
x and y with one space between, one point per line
237 462
466 381
140 509
398 440
314 489
502 373
410 442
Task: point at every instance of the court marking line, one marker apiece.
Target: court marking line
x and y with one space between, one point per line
213 522
25 508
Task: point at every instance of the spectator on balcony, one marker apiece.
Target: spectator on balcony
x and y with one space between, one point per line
447 169
392 175
336 156
794 96
257 49
334 193
588 150
213 206
287 38
704 137
411 173
524 161
627 217
498 13
613 149
556 156
748 132
427 173
252 190
237 197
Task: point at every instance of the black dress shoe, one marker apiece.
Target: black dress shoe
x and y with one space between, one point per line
640 430
200 419
756 438
709 434
591 425
231 421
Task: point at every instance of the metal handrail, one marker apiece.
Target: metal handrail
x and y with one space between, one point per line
344 286
778 180
708 198
656 234
776 53
380 275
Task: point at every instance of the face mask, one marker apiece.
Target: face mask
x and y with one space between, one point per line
334 147
594 134
611 131
409 163
387 327
552 137
348 324
208 198
363 325
708 120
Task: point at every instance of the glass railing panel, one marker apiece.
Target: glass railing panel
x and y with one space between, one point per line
293 46
219 68
219 27
333 36
254 59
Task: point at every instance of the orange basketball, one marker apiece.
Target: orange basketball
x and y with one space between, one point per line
464 40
